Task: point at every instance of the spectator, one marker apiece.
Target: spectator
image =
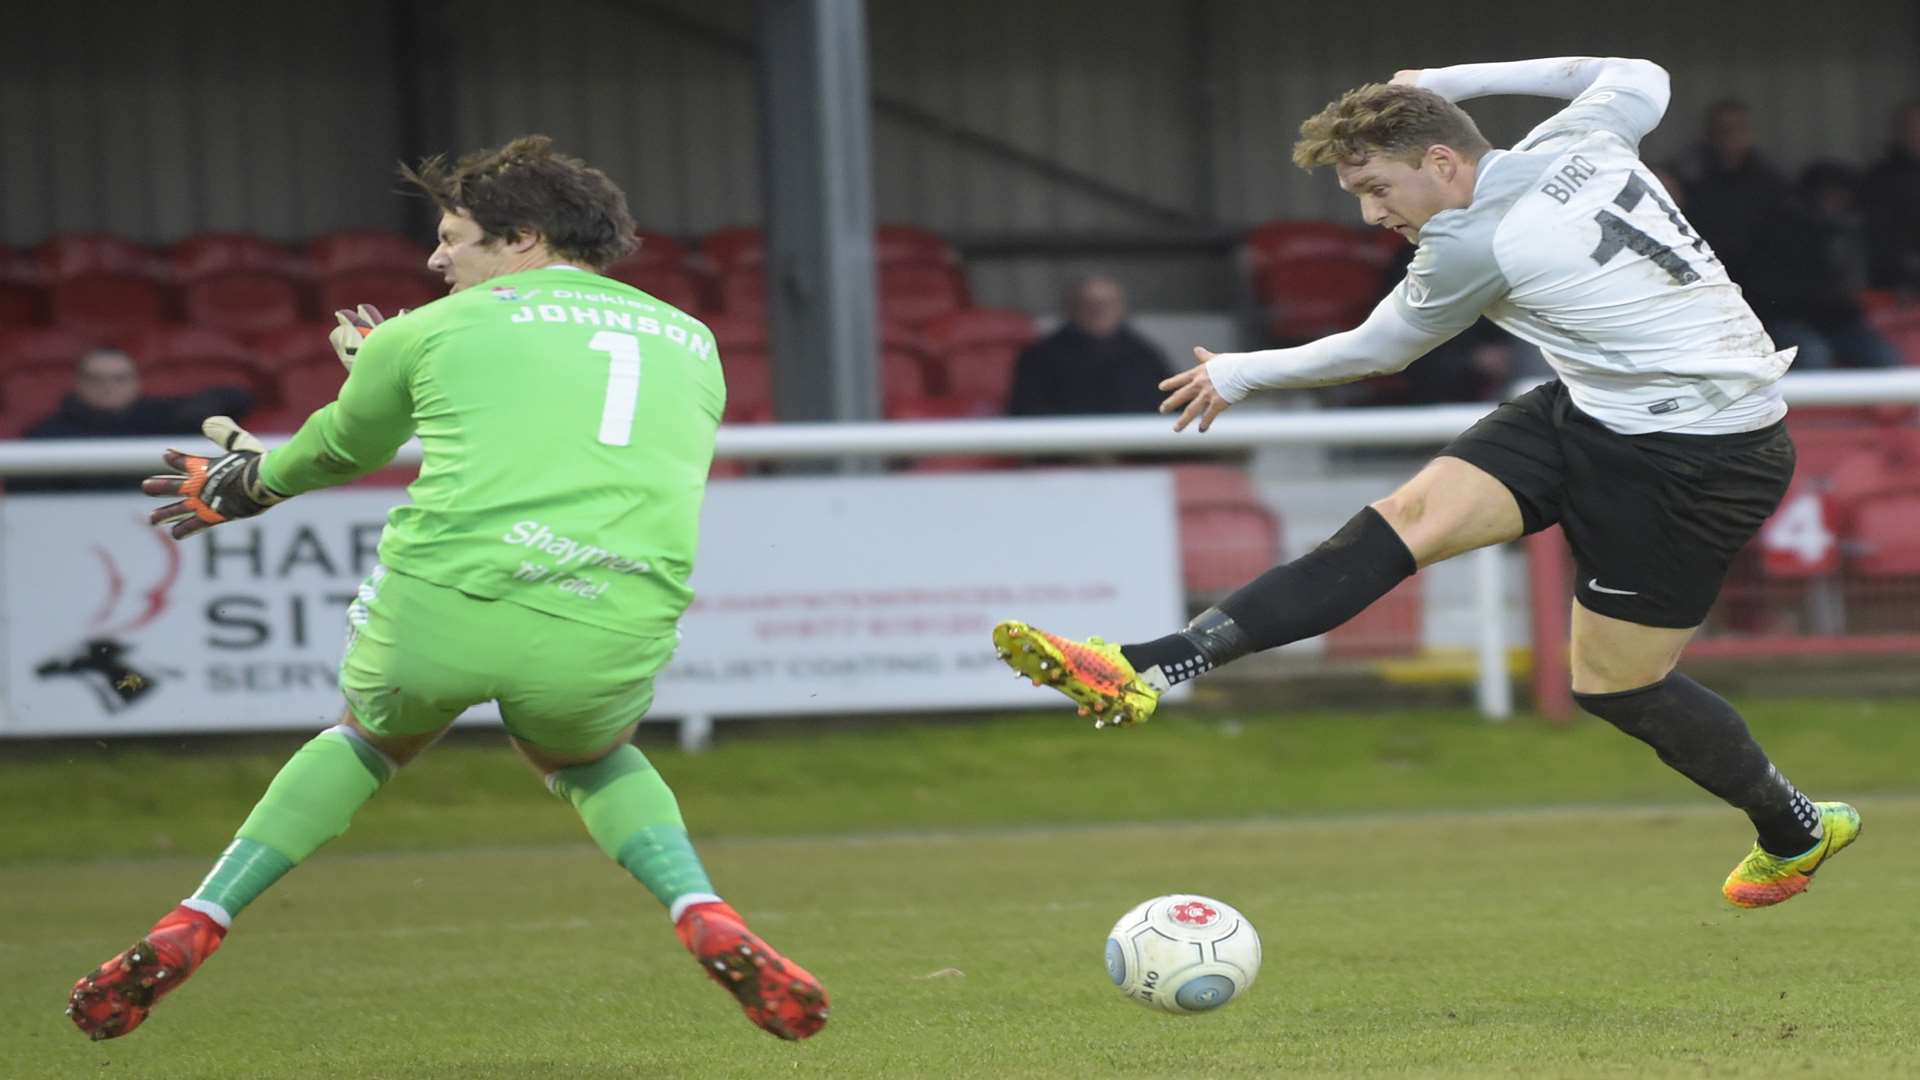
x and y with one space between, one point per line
106 403
1094 364
1731 190
1810 267
1892 200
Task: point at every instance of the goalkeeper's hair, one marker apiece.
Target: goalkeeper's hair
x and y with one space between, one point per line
1398 122
527 186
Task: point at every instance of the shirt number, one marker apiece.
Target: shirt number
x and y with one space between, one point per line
623 385
1616 235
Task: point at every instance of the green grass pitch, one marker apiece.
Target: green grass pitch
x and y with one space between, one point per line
1437 898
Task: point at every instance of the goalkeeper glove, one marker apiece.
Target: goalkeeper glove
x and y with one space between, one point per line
212 489
354 327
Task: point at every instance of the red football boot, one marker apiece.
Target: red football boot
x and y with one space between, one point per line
116 998
776 993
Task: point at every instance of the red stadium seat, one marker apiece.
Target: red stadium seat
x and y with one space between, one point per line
390 290
308 387
1874 301
744 292
1225 545
1883 537
30 394
33 346
749 386
208 254
973 351
898 335
746 246
971 327
365 249
736 332
657 249
279 420
677 285
295 345
1227 535
20 305
909 244
903 376
913 293
173 343
1310 298
186 359
183 377
1294 240
245 304
107 303
73 255
1801 538
22 290
743 247
934 407
1196 485
1901 325
1391 626
939 408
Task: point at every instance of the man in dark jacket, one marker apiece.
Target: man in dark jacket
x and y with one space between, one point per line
1809 269
1893 206
106 403
1095 364
1732 190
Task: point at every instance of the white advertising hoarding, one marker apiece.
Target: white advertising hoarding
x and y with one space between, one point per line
815 595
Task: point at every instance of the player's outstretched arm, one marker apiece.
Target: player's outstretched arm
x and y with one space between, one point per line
212 490
1565 77
1570 77
1387 342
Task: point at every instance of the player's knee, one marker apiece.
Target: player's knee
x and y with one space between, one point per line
1606 674
1403 509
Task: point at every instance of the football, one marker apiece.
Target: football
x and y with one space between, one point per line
1183 953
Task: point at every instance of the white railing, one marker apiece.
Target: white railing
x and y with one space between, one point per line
1246 429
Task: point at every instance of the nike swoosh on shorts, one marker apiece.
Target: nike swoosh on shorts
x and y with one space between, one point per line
1594 584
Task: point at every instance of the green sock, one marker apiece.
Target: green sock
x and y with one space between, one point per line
631 813
311 801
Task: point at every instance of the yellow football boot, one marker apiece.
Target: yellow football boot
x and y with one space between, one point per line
1091 672
1762 880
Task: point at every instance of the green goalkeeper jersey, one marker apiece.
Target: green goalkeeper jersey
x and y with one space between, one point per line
568 423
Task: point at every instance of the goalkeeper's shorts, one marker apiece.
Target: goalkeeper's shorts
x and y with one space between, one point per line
420 654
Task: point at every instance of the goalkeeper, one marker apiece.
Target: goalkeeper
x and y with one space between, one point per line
568 425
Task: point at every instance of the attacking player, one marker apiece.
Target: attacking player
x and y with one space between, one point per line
568 425
1660 449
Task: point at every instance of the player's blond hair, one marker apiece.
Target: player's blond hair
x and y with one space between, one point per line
1399 122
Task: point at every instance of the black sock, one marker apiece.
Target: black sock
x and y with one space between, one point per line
1704 739
1308 596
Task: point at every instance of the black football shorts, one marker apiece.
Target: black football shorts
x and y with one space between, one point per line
1653 520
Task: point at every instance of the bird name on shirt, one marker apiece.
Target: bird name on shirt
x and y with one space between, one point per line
606 314
1577 171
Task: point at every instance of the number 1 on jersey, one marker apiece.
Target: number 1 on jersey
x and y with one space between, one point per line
623 385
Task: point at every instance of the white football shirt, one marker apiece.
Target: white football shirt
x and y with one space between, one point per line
1572 245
